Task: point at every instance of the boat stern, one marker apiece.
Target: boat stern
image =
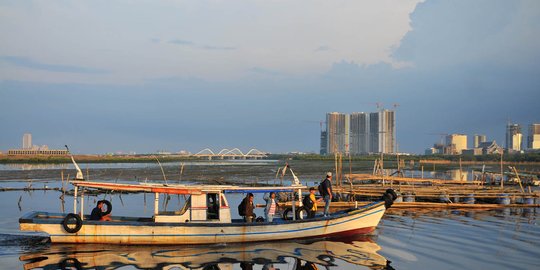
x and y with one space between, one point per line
39 221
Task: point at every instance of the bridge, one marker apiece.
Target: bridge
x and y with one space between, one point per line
234 153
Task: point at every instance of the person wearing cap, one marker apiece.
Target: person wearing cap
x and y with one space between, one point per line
327 192
98 214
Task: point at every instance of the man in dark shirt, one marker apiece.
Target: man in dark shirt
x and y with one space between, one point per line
327 192
249 208
98 214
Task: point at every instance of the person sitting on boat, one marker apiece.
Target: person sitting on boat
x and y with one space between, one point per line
311 201
98 214
249 208
271 206
326 187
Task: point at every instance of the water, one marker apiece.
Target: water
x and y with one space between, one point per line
405 239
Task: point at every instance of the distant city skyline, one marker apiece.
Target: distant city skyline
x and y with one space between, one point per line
28 148
186 75
347 137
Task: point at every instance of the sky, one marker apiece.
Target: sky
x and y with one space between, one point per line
170 75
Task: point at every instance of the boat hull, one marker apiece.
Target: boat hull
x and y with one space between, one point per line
124 231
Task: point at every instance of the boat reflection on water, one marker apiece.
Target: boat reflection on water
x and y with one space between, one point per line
270 255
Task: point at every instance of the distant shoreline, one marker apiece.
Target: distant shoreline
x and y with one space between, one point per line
526 159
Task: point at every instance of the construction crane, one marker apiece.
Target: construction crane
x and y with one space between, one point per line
320 122
443 135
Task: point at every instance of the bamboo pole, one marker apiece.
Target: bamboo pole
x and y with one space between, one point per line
460 170
502 175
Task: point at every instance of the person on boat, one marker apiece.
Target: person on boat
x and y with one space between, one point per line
98 214
313 202
250 207
326 187
271 206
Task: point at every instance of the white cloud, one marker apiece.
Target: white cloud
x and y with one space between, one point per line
231 36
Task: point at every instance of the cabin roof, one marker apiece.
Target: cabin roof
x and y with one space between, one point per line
181 189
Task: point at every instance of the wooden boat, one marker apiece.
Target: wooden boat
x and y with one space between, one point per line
204 219
360 251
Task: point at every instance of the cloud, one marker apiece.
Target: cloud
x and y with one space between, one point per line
219 48
265 71
32 64
182 42
473 65
323 48
468 33
191 44
276 35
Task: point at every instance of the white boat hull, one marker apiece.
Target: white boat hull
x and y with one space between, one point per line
118 231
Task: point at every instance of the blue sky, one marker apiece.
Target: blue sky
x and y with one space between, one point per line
148 75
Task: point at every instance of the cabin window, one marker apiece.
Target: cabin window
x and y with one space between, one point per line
212 203
223 201
186 206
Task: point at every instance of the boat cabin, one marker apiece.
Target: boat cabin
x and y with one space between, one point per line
205 207
204 203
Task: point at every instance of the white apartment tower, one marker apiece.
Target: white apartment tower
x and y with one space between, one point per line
479 139
387 131
337 128
27 141
533 140
359 133
513 137
382 132
457 143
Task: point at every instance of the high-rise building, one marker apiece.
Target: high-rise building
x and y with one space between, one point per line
513 137
324 142
337 133
457 143
359 143
387 131
347 135
27 141
382 132
533 140
478 139
373 131
360 133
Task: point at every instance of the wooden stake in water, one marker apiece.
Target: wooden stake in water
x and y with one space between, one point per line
502 175
336 165
162 171
181 170
382 168
62 176
460 170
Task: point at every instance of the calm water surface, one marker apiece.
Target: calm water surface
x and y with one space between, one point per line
412 239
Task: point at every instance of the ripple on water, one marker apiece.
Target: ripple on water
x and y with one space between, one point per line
460 240
14 244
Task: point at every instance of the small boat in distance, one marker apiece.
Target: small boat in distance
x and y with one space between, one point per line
205 218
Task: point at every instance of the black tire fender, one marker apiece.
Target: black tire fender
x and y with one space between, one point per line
299 212
389 197
67 221
393 193
109 207
286 214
